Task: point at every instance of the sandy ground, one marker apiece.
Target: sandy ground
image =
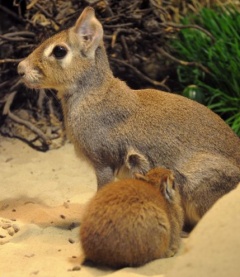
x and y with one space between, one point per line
42 197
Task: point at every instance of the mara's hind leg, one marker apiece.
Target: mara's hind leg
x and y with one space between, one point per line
208 177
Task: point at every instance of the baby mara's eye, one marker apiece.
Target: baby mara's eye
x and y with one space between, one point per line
59 51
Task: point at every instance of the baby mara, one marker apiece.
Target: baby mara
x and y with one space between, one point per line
104 118
133 221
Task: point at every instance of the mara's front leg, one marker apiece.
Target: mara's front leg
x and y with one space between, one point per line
105 174
209 177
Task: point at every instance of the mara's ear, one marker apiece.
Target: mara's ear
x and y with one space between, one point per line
89 30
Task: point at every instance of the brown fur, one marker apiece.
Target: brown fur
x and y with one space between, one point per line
104 118
131 222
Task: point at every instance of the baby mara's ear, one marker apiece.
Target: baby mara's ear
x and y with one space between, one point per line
89 30
167 186
136 162
141 177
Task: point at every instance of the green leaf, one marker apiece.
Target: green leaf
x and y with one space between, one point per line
221 87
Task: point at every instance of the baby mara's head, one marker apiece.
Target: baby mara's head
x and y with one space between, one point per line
138 167
162 179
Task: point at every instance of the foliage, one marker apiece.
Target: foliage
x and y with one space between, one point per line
221 56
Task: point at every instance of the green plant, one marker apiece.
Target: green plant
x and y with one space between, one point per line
221 56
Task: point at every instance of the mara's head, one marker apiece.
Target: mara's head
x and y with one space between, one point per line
59 61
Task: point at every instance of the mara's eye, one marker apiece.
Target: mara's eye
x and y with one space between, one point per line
59 52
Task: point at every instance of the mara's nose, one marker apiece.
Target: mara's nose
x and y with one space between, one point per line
21 68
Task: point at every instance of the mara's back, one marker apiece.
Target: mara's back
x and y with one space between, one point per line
169 127
192 125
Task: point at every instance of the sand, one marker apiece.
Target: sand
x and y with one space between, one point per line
41 201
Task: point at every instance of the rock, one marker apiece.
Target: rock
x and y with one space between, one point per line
213 248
